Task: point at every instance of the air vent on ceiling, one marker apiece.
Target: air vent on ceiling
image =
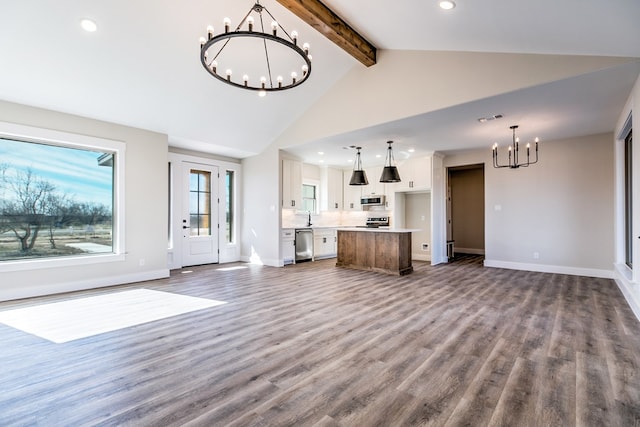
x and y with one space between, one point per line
489 118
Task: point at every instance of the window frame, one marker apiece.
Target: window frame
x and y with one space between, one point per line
202 193
628 199
316 188
31 134
230 208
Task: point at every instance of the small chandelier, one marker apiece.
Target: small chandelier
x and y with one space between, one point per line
389 172
514 161
358 177
250 49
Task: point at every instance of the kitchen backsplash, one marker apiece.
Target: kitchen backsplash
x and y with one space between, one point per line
293 219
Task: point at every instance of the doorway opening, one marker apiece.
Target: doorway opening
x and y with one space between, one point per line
465 211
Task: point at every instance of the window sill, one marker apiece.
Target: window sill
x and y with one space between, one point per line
33 264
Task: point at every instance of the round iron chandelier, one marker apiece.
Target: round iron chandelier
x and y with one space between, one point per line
267 61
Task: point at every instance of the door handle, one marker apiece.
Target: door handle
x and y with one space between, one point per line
184 226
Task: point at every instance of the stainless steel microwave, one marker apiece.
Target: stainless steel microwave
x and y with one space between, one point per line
372 200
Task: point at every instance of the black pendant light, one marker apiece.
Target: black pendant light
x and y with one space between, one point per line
358 177
389 172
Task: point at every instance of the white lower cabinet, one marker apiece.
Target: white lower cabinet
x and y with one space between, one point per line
325 243
288 245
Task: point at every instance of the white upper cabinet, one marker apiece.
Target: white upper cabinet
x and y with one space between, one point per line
331 189
291 184
352 193
415 174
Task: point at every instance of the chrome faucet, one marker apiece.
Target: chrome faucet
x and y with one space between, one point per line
309 219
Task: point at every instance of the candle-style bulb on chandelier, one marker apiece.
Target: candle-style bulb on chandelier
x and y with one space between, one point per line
513 160
267 60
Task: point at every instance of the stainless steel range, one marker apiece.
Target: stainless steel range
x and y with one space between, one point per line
378 221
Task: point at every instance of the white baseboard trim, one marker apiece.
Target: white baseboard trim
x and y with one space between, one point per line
630 290
81 285
470 251
326 256
420 257
558 269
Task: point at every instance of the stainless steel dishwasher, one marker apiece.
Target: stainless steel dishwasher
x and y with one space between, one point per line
304 244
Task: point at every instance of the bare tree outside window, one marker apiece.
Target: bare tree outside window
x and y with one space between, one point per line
55 201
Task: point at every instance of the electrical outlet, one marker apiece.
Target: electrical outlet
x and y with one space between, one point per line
141 262
536 255
425 246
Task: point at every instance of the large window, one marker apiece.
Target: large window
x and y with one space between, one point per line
628 200
55 200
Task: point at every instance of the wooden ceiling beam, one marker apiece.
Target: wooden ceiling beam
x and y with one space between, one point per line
323 19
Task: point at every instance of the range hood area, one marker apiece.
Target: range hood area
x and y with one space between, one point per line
373 200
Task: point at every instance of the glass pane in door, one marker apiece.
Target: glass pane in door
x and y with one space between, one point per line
200 203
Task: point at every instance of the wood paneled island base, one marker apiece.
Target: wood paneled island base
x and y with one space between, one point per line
381 250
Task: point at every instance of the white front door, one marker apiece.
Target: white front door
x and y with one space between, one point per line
199 214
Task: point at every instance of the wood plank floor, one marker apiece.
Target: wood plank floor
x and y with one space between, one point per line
315 345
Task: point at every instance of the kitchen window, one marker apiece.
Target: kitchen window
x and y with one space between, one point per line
309 198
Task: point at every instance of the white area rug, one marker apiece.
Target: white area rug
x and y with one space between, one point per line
65 321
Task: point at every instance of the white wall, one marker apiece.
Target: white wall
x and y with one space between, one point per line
560 208
627 279
418 82
261 218
438 210
145 195
417 211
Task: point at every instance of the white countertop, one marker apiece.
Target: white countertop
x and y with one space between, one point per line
354 228
379 230
313 227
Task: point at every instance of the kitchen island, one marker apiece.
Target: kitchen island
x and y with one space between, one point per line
383 250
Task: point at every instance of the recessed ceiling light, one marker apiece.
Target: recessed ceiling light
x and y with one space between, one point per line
321 152
447 4
88 25
411 150
320 161
378 156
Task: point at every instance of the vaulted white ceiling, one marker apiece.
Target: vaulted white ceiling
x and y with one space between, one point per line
141 68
